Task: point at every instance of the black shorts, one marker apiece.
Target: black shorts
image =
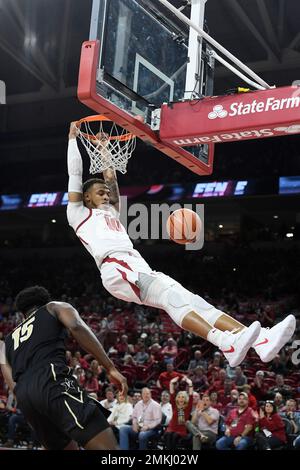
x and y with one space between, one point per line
57 408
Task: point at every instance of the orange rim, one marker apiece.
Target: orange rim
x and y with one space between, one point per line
100 118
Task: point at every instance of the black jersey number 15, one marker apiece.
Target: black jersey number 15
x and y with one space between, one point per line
23 333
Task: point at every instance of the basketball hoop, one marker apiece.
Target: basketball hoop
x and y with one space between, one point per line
106 149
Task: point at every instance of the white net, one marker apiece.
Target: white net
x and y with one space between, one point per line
106 149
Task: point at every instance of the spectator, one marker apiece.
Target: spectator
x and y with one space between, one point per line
258 387
166 407
182 406
272 429
141 357
215 365
230 372
279 402
204 424
128 360
170 351
80 376
83 363
292 415
197 361
251 397
165 377
146 418
214 400
121 413
156 355
280 387
239 427
97 370
109 402
122 347
214 375
267 316
239 379
234 395
278 366
225 393
196 399
199 379
137 396
91 383
219 383
16 420
69 358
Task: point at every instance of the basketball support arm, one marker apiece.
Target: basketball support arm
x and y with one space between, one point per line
260 85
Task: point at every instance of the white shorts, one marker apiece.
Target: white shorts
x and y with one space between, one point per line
119 273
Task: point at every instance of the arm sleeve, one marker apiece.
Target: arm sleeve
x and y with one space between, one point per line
74 167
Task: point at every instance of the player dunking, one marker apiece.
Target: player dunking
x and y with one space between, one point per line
93 212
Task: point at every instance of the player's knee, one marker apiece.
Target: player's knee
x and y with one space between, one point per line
161 291
207 311
144 283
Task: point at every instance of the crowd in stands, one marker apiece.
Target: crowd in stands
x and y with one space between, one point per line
182 393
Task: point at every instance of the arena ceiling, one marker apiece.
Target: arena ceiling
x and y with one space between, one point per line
40 43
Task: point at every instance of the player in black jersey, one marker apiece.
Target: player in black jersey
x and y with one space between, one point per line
59 410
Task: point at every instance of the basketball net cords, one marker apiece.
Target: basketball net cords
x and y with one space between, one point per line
109 153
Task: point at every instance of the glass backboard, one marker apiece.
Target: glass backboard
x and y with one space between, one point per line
143 54
136 59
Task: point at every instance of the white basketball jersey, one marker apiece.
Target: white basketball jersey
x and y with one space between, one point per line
99 230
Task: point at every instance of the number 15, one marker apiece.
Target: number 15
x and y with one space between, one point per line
23 333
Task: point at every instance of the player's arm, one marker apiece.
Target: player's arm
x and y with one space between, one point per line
5 368
7 375
70 318
111 181
101 141
74 166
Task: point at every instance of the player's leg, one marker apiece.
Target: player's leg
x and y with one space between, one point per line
269 341
194 314
105 440
128 279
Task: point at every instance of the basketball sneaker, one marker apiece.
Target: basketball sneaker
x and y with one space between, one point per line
271 340
235 346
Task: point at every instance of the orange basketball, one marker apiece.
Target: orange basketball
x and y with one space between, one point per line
184 226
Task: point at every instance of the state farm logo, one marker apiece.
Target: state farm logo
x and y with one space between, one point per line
271 104
218 112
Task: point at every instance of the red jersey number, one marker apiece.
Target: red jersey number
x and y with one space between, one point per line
113 224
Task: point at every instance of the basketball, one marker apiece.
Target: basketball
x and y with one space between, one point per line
184 226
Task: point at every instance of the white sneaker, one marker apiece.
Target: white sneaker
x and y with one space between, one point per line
270 341
235 346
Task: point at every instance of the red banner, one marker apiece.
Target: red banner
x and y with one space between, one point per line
253 115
